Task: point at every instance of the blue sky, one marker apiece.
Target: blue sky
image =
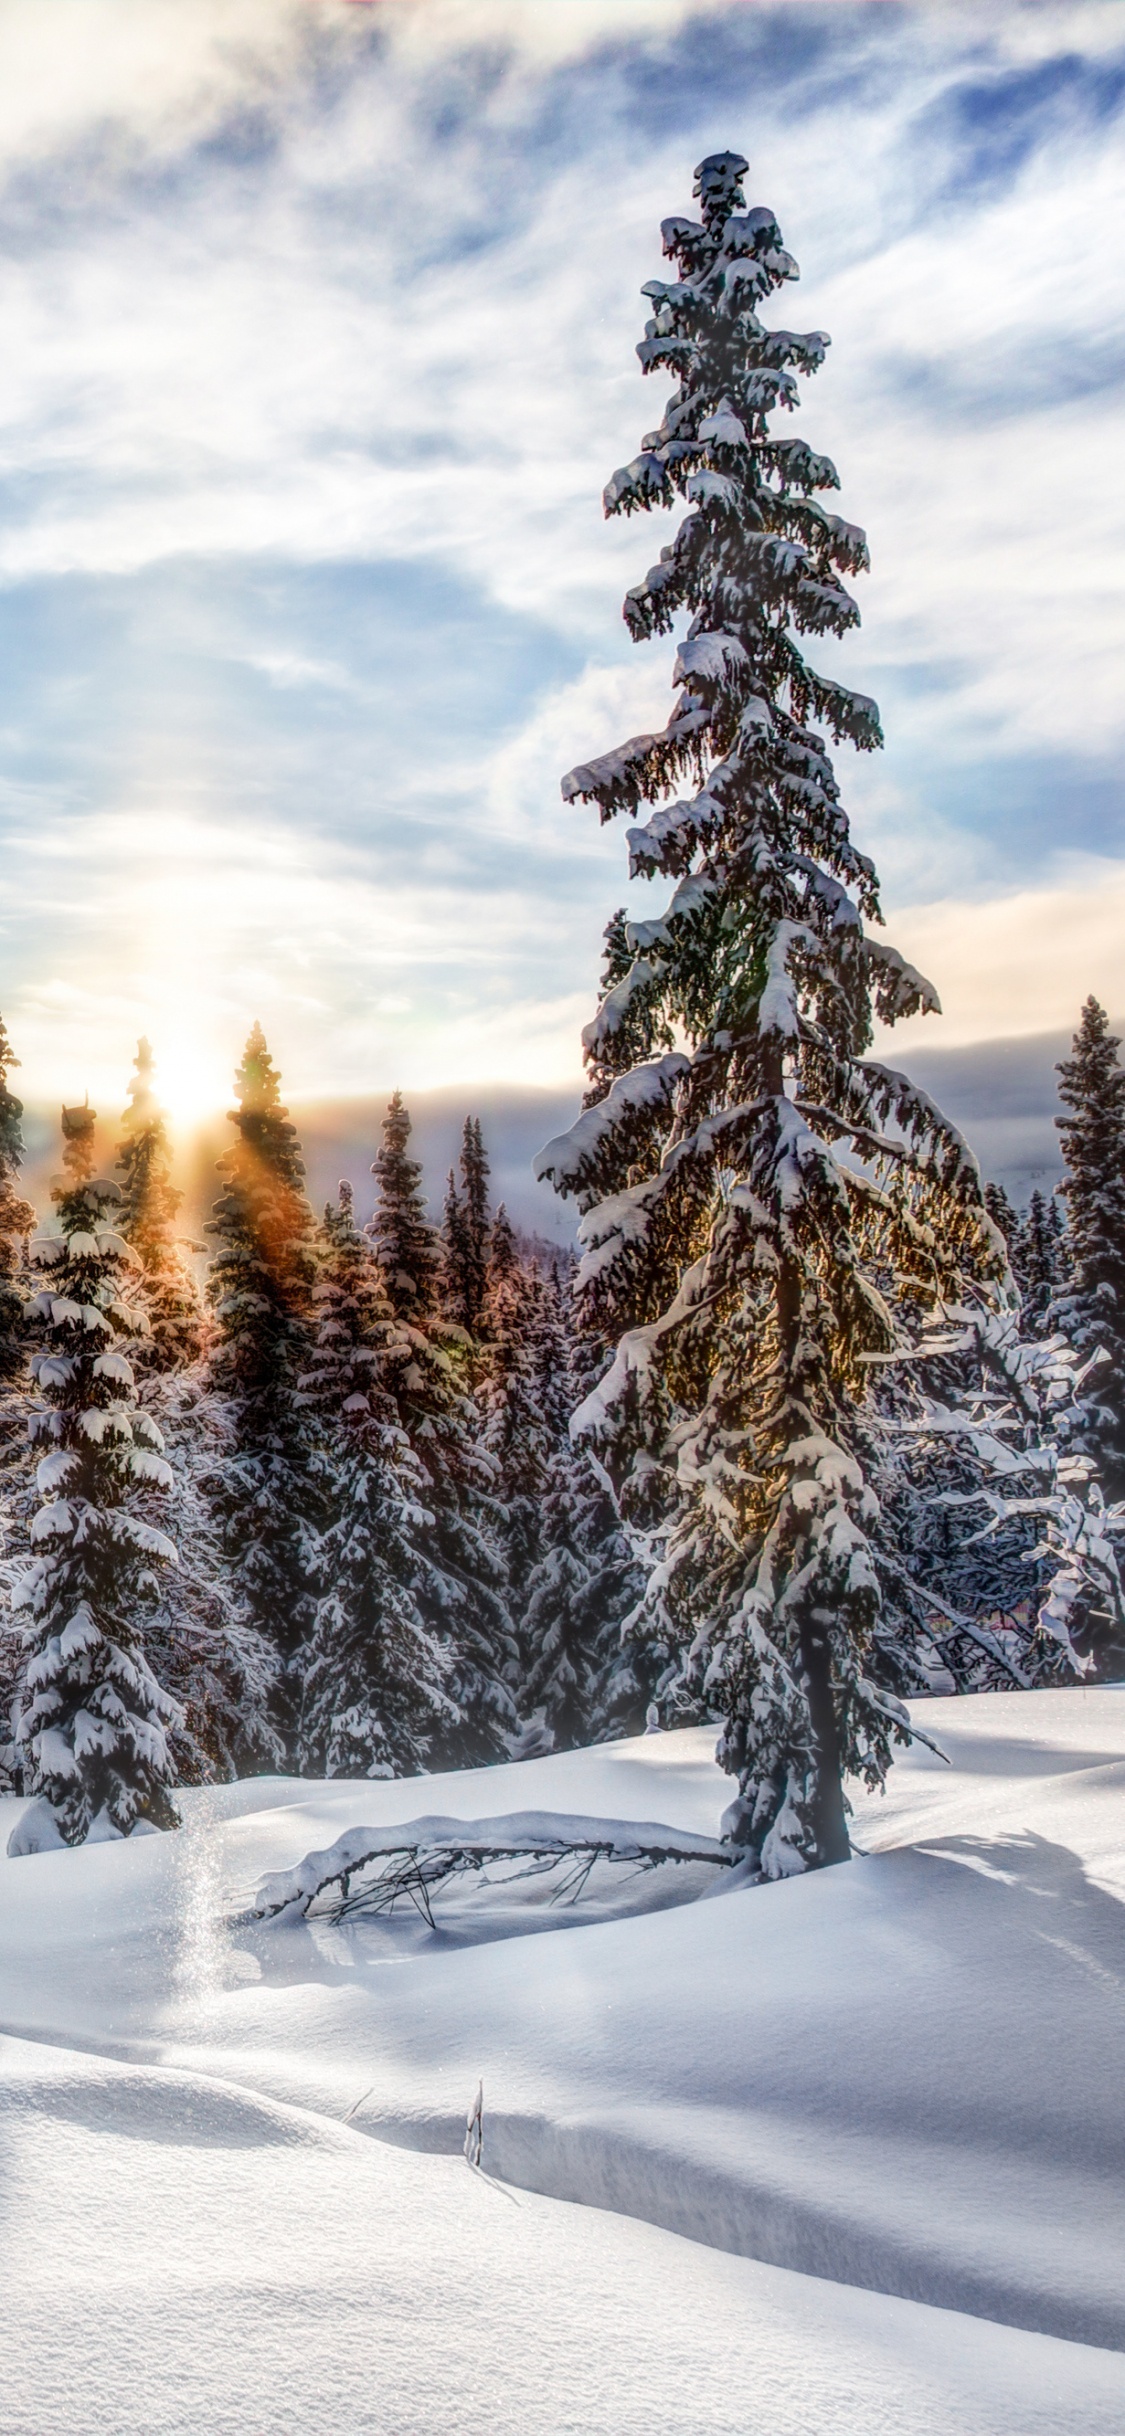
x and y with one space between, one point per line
318 348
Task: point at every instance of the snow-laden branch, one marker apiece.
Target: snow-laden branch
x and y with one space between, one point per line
424 1854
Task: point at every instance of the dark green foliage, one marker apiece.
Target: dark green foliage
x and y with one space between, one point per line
16 1220
220 1670
474 1180
466 1235
149 1206
454 1245
1090 1308
1036 1261
95 1722
374 1698
1002 1213
998 1556
264 1494
461 1595
584 1674
517 1428
407 1247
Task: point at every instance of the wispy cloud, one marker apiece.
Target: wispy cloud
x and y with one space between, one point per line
318 349
1021 962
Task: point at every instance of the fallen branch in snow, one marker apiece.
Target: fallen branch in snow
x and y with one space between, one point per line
474 2147
428 1853
474 2129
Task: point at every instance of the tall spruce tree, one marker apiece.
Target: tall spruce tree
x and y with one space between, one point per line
462 1593
475 1174
150 1203
466 1233
264 1493
767 1208
1036 1264
16 1219
517 1429
406 1246
1002 1213
94 1727
454 1249
580 1677
374 1698
218 1667
1090 1309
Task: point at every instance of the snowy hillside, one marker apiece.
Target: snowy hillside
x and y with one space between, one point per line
233 2193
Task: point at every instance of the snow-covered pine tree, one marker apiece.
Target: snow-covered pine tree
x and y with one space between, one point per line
1002 1213
16 1219
149 1206
454 1252
466 1234
95 1723
999 1557
475 1174
374 1696
766 1207
517 1430
406 1246
264 1494
461 1595
1090 1309
221 1671
1035 1261
579 1678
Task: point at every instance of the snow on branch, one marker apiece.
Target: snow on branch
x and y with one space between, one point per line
414 1860
632 1107
899 989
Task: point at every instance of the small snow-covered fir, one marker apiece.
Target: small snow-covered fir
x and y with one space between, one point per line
374 1697
93 1726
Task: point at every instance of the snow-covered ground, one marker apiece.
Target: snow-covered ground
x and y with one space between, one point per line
882 2104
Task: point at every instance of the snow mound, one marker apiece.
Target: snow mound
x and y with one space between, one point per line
881 2103
430 1851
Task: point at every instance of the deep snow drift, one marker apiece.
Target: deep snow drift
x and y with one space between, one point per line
890 2086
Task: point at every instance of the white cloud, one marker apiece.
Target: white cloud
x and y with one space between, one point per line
147 73
986 485
270 367
569 725
290 672
190 930
364 341
1018 963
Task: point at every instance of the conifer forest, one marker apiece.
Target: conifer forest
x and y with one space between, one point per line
814 1422
561 1865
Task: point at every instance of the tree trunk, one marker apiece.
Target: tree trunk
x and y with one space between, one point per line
830 1825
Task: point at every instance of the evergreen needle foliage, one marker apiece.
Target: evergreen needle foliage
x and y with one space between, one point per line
1091 1306
767 1207
17 1219
467 1234
374 1698
461 1591
150 1203
264 1493
95 1722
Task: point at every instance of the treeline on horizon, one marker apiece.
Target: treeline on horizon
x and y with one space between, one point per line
329 1499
